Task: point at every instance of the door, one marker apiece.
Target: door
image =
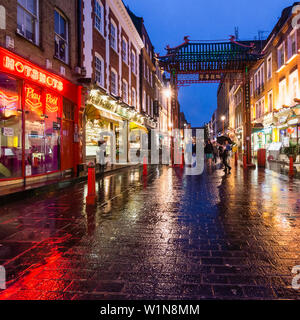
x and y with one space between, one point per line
67 144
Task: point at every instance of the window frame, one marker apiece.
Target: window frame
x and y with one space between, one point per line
102 72
125 97
126 57
133 97
293 35
279 57
36 24
102 19
115 93
133 62
269 67
282 96
270 106
60 37
115 47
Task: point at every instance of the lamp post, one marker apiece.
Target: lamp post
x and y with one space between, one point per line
223 120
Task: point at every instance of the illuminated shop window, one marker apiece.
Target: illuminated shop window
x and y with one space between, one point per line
10 129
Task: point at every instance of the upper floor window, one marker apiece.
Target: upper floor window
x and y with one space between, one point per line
282 93
144 101
281 56
293 87
125 91
124 50
27 19
269 67
99 16
114 82
270 101
292 44
133 62
133 97
61 37
99 70
113 35
259 77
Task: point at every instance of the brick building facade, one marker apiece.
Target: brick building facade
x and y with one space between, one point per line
40 107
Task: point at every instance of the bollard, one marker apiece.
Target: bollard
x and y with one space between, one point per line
245 161
91 196
291 171
236 158
145 171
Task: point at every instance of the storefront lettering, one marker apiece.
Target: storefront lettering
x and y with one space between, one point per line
33 99
51 103
32 73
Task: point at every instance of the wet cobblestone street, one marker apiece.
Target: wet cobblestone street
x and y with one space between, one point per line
167 236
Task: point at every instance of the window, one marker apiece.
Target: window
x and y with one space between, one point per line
113 35
269 67
133 62
61 37
99 16
125 91
292 44
144 101
148 77
270 101
27 20
124 50
133 97
145 70
99 70
259 77
281 56
114 82
282 93
10 128
293 87
251 87
148 104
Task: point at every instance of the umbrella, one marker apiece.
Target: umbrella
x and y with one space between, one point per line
222 139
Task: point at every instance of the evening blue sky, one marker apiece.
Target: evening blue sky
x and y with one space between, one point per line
168 21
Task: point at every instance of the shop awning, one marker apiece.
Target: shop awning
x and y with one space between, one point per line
99 112
134 125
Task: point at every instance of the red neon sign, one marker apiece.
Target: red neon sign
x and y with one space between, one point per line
32 73
51 103
8 102
32 98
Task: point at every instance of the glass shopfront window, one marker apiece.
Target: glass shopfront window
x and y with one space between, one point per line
42 131
10 129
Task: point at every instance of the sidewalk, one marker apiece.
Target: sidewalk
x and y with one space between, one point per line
17 192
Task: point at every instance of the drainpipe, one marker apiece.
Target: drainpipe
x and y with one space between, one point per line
79 31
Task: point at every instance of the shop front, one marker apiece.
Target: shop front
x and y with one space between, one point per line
100 120
38 119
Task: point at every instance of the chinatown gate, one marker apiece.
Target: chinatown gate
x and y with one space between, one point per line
215 62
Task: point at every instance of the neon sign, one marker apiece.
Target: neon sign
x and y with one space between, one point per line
32 98
51 103
32 73
8 102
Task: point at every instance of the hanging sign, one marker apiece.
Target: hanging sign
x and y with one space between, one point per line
8 132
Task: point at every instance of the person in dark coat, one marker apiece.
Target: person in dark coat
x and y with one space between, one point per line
209 151
225 154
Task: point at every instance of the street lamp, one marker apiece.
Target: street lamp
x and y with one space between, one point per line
223 120
167 92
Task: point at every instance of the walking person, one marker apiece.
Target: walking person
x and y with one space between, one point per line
225 154
208 150
215 151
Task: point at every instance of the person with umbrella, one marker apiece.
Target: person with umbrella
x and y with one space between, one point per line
225 154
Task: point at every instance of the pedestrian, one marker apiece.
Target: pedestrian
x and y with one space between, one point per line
225 154
209 150
215 151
